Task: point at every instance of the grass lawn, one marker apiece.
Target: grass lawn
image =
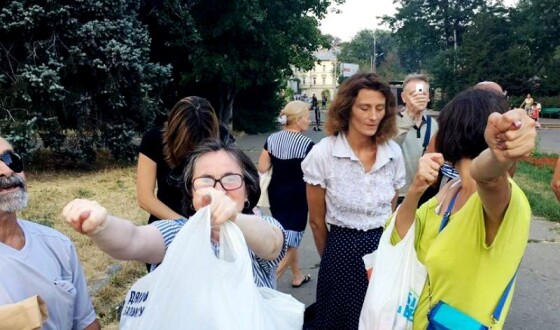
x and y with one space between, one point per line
535 182
113 188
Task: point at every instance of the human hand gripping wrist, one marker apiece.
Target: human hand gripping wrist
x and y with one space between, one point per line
86 216
510 136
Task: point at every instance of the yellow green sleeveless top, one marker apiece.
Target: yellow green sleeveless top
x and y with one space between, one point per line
463 270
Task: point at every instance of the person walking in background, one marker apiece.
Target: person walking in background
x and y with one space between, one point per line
535 113
38 260
284 151
315 108
555 183
324 102
219 174
415 127
352 177
163 153
527 104
472 235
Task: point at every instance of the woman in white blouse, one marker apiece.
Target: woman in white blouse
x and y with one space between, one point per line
352 177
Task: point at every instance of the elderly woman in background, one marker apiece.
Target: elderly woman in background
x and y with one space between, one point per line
352 177
472 235
219 174
284 151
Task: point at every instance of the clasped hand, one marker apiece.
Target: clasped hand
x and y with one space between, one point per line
511 135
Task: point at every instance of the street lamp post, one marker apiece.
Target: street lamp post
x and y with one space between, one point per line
373 58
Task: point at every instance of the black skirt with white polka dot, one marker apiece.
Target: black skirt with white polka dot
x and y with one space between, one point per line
342 281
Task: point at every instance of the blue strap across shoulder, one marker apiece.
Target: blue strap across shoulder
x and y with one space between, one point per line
498 311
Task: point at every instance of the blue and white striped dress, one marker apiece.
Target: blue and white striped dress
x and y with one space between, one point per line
264 271
286 191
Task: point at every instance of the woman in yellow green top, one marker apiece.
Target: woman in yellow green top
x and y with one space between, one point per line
472 260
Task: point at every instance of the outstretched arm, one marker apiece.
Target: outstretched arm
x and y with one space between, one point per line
510 137
119 238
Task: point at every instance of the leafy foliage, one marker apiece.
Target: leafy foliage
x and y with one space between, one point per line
459 43
367 44
84 64
231 46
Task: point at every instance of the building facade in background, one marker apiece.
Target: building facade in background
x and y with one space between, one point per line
321 78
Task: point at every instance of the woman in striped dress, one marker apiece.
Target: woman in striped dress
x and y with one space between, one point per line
284 151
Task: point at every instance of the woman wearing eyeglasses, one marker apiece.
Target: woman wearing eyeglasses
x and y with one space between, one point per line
218 174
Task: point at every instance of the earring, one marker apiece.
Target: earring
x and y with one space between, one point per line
246 205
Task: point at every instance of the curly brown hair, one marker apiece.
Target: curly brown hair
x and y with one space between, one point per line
340 109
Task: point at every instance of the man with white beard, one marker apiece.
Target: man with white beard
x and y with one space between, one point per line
38 260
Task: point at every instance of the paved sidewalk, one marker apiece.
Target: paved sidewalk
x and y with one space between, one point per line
536 303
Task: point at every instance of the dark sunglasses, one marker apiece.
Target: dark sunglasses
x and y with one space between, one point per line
13 161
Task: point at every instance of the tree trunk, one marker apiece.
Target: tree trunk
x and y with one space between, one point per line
225 112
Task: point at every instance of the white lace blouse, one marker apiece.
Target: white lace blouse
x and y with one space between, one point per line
355 199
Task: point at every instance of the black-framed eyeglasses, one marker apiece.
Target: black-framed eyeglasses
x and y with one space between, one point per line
228 182
13 161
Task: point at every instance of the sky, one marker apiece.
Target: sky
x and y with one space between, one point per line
358 15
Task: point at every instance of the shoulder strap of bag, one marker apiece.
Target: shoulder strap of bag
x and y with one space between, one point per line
428 133
498 310
447 214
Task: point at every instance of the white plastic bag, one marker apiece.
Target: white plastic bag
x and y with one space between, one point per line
264 181
396 284
194 289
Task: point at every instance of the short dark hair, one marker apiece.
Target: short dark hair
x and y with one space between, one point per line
248 168
341 108
462 123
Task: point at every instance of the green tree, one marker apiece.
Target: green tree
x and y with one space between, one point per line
369 44
230 46
84 64
537 26
429 35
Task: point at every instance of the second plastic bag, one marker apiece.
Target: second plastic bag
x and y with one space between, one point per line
396 284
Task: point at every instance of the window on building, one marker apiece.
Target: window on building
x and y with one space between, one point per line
324 80
324 68
314 81
303 80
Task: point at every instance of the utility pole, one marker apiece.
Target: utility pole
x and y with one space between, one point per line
374 57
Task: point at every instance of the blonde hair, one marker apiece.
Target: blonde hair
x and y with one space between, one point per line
293 111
